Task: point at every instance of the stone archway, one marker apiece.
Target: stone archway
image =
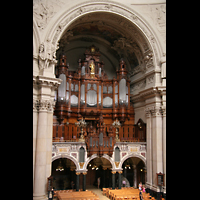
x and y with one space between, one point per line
99 167
66 156
56 30
132 155
96 156
134 169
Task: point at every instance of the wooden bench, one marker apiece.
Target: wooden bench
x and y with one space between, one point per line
126 194
80 195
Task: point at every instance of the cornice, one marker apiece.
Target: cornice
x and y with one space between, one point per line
46 81
147 93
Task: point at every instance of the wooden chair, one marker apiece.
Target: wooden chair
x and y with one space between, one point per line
104 191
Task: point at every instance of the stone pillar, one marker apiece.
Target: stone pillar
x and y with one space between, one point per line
120 179
35 120
113 179
42 137
84 181
164 146
77 181
135 176
157 140
104 177
39 191
149 148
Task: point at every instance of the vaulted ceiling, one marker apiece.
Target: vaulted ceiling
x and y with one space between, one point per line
115 36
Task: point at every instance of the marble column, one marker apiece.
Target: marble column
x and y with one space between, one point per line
77 181
164 146
44 88
135 176
149 148
104 177
84 181
157 142
120 179
39 190
35 120
113 179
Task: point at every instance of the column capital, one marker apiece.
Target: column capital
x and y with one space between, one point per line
148 113
78 173
163 111
84 173
153 111
113 172
43 105
120 172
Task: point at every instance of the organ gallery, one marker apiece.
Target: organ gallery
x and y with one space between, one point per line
87 94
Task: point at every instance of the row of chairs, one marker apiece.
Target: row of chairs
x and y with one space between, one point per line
80 195
125 193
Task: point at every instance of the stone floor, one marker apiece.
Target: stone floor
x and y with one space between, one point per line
98 192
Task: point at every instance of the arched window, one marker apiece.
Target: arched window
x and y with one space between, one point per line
81 154
117 154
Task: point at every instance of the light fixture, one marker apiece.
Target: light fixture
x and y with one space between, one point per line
116 124
95 167
127 166
59 167
81 124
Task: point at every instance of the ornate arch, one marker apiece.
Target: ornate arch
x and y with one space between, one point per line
132 155
55 30
96 156
66 156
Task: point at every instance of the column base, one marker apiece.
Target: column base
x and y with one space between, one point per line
156 194
43 197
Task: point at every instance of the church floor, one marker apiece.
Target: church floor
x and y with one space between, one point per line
98 192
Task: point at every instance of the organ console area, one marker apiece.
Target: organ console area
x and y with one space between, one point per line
88 94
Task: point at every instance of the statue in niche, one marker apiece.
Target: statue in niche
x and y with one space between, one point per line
92 70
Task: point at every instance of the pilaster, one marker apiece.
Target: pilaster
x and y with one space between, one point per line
156 131
157 142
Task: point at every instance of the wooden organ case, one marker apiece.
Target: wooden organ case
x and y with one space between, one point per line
88 93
